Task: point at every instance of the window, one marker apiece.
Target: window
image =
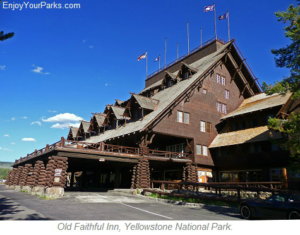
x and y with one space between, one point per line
204 91
179 116
218 78
202 126
254 123
274 147
224 108
227 94
186 118
223 81
219 106
208 127
183 117
198 149
177 148
204 150
186 75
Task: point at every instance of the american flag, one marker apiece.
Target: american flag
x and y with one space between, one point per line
143 56
157 59
209 8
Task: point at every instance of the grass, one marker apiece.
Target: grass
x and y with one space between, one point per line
46 198
194 200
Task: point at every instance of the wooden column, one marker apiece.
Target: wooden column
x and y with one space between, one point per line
285 178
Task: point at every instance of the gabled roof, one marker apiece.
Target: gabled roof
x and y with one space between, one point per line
166 98
172 75
259 102
73 132
245 136
85 125
118 111
119 102
100 118
190 67
145 102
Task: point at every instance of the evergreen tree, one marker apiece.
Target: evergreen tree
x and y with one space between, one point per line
289 57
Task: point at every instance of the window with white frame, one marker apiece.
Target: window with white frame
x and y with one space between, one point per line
218 78
202 126
177 148
186 118
183 117
179 116
227 94
223 81
186 75
204 149
198 149
219 107
224 108
204 91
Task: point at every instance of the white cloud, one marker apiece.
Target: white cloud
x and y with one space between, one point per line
83 41
106 84
37 122
24 117
63 120
91 47
6 135
13 143
52 111
28 140
2 67
5 149
65 125
13 118
39 70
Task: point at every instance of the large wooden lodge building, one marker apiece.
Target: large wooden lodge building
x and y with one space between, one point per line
203 118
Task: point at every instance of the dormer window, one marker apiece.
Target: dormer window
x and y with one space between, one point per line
186 75
169 83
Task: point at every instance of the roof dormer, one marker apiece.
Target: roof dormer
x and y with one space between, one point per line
186 71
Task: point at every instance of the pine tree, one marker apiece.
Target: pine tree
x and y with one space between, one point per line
289 57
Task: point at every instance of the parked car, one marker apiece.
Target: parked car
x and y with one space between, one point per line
278 206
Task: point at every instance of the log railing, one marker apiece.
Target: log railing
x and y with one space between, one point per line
219 187
103 148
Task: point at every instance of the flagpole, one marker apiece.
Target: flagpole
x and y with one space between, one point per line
215 21
165 50
146 63
228 26
159 62
201 36
177 52
188 37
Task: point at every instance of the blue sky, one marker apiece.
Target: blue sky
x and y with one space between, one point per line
64 64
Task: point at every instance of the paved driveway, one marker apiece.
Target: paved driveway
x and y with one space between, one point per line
102 206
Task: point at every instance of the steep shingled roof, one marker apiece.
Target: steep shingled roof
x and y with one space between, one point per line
245 136
74 131
165 97
85 126
259 102
145 102
118 111
100 119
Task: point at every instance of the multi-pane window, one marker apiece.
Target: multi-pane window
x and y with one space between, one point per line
204 91
205 127
208 127
202 126
218 78
186 118
176 148
204 148
227 94
223 81
179 116
186 75
183 117
219 107
198 149
224 108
